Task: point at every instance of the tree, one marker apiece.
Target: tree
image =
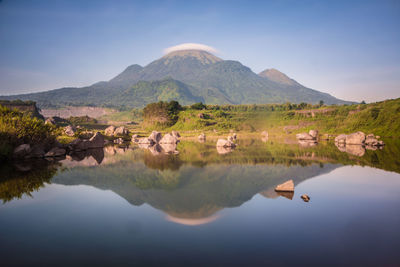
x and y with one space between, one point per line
321 103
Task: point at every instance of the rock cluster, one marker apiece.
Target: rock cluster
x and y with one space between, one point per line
26 151
225 146
308 139
116 131
356 143
157 143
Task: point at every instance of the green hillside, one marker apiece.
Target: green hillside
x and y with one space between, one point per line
186 76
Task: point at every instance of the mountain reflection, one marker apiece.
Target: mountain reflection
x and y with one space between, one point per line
193 186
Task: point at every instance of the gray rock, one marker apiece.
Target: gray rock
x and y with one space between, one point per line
357 138
97 141
22 151
169 139
287 186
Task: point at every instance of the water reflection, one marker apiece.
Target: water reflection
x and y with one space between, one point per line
193 186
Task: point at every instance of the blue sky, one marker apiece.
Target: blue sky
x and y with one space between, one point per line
350 49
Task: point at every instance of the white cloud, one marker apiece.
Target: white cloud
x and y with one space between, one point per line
190 46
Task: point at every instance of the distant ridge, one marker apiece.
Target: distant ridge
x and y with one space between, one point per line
187 76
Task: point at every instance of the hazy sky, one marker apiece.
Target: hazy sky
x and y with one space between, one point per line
350 49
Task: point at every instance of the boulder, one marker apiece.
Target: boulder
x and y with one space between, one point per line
357 138
176 134
169 139
287 186
305 197
225 143
70 130
22 151
121 131
304 136
96 141
313 133
109 131
340 139
56 152
264 133
230 138
155 136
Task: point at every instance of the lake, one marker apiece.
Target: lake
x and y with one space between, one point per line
131 206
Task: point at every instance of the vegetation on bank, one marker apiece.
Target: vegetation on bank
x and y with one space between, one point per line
18 128
380 118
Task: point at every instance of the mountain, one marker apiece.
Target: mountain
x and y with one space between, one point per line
187 76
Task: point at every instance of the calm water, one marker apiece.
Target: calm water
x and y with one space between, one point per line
134 206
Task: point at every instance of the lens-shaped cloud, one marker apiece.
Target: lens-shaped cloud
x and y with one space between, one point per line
190 46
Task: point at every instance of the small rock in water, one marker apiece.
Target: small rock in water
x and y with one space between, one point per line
305 197
287 186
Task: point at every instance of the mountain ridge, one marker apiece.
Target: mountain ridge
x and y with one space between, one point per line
192 76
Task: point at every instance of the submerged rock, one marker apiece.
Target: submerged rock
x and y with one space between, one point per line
287 186
305 197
